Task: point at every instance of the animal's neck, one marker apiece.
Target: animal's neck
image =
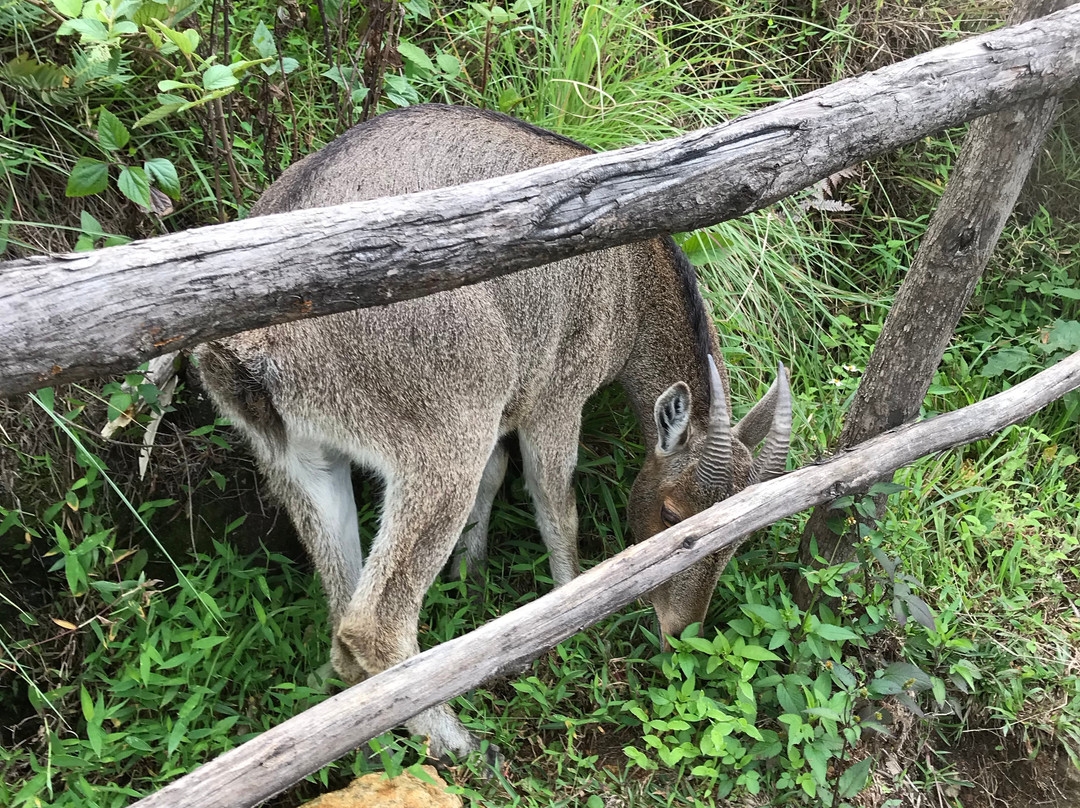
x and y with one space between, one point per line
669 347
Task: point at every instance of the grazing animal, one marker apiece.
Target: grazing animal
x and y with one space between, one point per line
422 392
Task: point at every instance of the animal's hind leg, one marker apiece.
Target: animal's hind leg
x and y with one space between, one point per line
427 504
315 486
474 543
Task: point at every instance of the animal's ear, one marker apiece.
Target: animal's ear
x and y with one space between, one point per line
672 415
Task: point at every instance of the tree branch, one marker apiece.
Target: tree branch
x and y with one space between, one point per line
95 313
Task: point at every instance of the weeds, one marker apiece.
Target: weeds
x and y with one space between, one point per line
122 671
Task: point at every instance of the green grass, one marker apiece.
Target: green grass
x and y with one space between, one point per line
153 680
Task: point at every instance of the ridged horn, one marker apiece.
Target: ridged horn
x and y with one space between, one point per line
772 459
714 466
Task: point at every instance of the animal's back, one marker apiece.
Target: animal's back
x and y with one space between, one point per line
415 149
537 338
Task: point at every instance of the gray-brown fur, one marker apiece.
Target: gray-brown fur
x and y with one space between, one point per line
423 391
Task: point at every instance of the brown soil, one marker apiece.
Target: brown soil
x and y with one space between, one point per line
982 769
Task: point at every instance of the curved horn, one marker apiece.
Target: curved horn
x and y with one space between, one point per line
772 459
714 466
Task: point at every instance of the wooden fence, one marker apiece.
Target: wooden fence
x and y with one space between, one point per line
71 317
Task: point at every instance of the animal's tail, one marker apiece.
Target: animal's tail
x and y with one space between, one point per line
242 388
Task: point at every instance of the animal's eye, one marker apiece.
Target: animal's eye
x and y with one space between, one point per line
669 517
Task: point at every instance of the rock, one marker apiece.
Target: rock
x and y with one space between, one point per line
377 791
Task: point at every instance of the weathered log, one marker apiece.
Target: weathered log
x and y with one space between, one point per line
283 755
80 315
998 153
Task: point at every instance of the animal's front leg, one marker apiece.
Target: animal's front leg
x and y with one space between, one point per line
473 547
549 450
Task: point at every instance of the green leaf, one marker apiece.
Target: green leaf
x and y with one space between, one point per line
448 64
186 40
918 609
886 488
834 633
1064 336
240 66
908 676
291 64
791 699
176 737
1007 360
884 687
939 690
411 53
88 176
768 615
819 762
169 84
89 225
88 30
421 8
344 77
87 704
779 638
638 757
163 173
824 712
400 92
940 390
263 41
218 77
853 779
118 404
842 676
112 134
159 113
756 652
69 8
699 644
135 185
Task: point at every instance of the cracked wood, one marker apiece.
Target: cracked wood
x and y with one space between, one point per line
77 316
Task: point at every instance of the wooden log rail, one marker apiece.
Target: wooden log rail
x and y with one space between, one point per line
76 316
283 755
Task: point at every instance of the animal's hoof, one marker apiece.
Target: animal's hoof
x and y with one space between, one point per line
494 762
491 761
320 678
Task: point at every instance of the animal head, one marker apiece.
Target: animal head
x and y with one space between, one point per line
686 473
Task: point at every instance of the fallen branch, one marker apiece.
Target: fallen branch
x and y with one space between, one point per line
283 755
94 313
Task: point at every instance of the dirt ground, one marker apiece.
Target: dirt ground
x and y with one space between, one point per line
984 769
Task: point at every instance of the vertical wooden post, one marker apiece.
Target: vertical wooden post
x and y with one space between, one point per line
996 158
